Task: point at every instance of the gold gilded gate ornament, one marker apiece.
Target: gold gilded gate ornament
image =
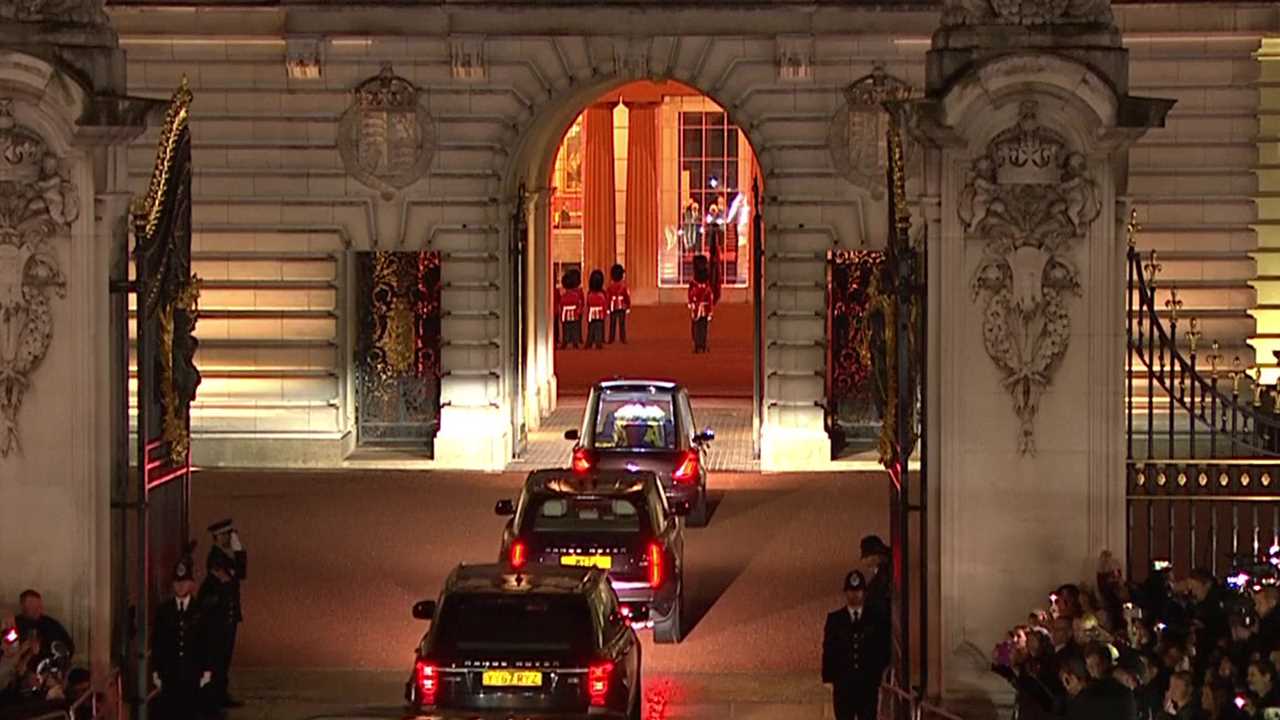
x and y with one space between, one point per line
857 132
385 138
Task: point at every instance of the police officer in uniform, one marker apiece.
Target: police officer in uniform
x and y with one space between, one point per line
227 546
855 653
218 608
178 650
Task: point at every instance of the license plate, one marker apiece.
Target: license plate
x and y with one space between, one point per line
604 562
512 678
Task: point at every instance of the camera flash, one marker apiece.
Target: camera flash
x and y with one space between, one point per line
1240 701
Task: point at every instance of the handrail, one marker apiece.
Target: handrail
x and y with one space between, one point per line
896 703
1245 427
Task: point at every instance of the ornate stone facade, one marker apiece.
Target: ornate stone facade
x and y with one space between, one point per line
1026 12
36 204
79 12
1028 199
857 134
385 137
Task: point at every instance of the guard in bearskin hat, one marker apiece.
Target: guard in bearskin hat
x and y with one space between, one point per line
701 302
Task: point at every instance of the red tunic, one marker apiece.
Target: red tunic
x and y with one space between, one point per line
597 305
701 300
571 302
619 296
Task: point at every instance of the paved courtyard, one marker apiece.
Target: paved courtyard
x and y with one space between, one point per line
337 559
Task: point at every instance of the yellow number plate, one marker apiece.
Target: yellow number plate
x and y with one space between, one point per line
604 562
512 678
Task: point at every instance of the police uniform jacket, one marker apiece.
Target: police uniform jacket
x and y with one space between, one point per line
179 646
854 655
218 610
239 571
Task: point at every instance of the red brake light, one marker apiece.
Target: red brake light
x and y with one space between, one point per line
655 565
687 470
425 676
519 554
598 677
582 460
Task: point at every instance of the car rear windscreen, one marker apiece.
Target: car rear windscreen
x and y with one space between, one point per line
586 514
493 623
634 420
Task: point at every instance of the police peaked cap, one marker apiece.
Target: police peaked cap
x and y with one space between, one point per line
873 545
184 570
222 526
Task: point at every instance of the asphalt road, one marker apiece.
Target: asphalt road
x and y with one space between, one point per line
336 559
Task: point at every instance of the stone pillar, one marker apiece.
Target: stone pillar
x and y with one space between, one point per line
1026 126
64 126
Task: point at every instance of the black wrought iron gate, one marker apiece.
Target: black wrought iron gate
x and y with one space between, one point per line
397 348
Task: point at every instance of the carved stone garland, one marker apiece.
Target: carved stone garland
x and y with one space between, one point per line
79 12
1028 198
857 132
36 205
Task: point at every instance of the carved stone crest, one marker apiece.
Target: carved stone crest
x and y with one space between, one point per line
1029 198
857 134
36 205
1026 12
385 137
77 12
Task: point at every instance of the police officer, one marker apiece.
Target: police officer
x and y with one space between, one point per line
235 559
217 604
178 650
855 653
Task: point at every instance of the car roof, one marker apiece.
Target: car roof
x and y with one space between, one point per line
636 383
564 481
494 578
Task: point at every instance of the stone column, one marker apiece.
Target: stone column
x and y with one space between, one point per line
64 129
1027 124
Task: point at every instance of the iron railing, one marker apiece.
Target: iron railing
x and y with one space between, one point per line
1203 447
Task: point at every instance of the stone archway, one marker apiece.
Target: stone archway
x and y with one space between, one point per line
533 394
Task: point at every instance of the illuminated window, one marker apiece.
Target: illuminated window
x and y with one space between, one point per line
566 201
712 202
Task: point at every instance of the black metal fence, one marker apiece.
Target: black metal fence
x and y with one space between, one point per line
1203 438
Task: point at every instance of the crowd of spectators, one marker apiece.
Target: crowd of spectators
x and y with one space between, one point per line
37 677
1191 648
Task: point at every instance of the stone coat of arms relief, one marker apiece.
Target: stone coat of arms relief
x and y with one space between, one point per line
857 134
385 137
36 205
1026 12
1029 199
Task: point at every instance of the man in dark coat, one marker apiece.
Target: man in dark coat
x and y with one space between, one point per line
32 617
179 657
876 558
855 653
1089 699
235 559
216 601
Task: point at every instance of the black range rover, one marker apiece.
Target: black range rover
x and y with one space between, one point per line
619 522
541 643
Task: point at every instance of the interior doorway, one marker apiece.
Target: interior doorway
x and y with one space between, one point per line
652 190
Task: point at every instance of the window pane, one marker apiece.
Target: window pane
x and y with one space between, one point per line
731 143
692 142
715 142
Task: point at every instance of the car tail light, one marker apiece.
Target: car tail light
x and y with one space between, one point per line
583 460
519 554
598 677
687 471
426 677
656 570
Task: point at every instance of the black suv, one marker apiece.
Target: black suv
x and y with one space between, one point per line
544 643
613 521
646 425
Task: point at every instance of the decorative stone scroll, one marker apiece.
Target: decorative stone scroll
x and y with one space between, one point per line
76 12
1029 198
1026 12
857 134
36 204
385 138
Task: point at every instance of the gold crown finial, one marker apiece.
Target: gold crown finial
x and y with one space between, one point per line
1132 228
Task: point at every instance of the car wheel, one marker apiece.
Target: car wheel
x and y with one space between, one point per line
667 630
697 516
